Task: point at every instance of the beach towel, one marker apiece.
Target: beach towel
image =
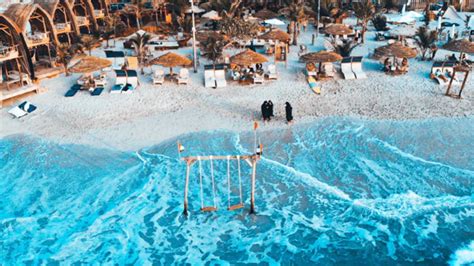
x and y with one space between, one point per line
73 90
97 91
313 85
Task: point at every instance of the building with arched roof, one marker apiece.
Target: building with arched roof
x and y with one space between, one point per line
62 16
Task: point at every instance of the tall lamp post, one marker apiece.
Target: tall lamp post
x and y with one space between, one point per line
194 37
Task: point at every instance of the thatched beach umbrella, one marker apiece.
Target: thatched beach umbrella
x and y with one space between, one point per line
321 57
90 64
276 35
462 46
265 14
202 36
338 29
171 60
396 49
247 58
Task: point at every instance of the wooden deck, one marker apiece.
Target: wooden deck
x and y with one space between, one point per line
7 95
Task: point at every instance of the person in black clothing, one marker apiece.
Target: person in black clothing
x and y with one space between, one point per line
289 112
270 106
264 110
453 58
268 110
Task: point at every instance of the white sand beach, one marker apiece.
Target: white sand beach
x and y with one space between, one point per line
152 114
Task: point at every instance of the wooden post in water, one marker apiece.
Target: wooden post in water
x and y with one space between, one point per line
252 193
188 169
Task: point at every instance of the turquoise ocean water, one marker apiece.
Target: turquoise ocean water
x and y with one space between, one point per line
339 191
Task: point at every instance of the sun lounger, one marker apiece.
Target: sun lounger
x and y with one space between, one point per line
346 68
209 77
158 77
183 76
357 67
219 73
117 88
128 88
101 80
328 69
21 110
97 91
271 72
258 78
73 90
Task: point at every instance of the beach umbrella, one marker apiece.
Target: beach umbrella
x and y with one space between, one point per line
275 35
338 29
461 45
396 49
247 58
274 22
171 60
321 57
90 64
202 36
265 14
212 15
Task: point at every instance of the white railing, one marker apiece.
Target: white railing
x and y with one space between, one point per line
37 38
99 13
63 27
8 52
82 20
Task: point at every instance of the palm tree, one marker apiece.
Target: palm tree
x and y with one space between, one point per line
65 53
345 48
238 29
425 40
108 29
364 10
296 12
88 43
213 49
380 22
140 41
230 7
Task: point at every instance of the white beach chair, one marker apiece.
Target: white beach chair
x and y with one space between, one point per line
183 76
209 78
101 80
158 77
271 72
346 68
328 69
357 68
258 78
220 78
21 110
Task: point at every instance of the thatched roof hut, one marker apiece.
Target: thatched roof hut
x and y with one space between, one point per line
21 14
276 35
321 57
396 49
338 29
202 36
247 58
265 14
90 64
171 60
462 45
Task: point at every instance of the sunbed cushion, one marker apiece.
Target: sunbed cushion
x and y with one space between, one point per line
30 108
97 91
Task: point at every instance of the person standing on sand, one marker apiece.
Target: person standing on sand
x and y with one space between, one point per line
268 111
264 110
289 112
270 105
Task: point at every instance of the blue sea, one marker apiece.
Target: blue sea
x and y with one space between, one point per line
338 191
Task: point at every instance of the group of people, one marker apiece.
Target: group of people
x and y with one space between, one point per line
267 111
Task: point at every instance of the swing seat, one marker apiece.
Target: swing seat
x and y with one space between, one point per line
209 209
236 207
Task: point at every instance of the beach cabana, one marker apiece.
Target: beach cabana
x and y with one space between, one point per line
280 46
403 30
171 60
461 46
38 31
63 19
14 60
84 15
246 59
395 50
325 60
117 57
